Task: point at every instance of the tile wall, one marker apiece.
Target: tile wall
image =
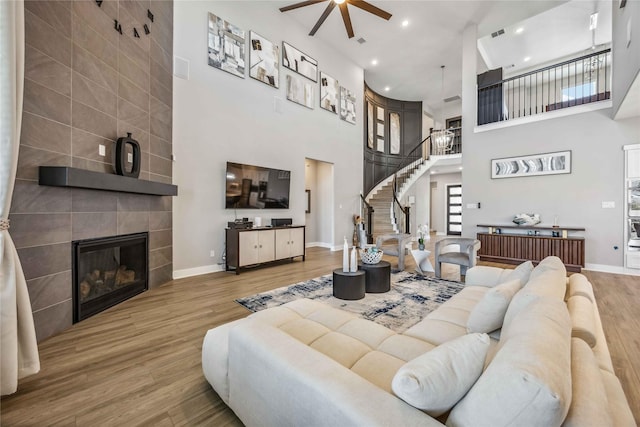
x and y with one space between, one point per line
85 85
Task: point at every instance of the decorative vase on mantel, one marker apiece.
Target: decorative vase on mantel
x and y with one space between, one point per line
421 244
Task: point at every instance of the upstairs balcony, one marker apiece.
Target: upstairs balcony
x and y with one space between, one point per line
578 81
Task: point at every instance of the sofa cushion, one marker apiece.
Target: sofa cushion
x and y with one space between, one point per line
378 368
404 347
589 403
343 349
521 273
488 313
528 381
619 407
582 319
579 285
436 332
435 381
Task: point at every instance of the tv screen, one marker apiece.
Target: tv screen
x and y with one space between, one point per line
256 187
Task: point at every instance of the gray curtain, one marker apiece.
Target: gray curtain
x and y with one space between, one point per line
18 345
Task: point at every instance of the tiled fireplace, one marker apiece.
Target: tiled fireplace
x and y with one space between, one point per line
107 271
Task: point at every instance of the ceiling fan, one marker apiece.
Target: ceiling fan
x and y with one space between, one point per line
342 4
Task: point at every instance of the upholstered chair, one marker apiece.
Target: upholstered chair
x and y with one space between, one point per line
394 245
464 256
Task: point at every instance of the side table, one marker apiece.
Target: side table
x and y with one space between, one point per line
348 285
422 261
377 276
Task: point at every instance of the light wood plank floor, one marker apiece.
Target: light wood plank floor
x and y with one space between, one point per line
139 363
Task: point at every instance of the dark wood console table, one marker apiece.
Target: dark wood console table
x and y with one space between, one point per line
502 243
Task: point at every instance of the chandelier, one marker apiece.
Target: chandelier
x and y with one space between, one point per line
442 139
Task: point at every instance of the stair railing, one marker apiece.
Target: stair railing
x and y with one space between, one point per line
369 223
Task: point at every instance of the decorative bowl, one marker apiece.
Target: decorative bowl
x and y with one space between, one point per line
370 257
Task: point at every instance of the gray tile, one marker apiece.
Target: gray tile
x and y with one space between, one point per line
94 69
93 95
94 201
161 56
163 76
42 36
163 94
56 13
160 276
53 320
161 148
133 222
87 38
86 145
160 119
137 9
47 103
40 229
92 225
133 115
138 134
29 197
160 221
98 18
38 261
144 175
94 121
50 290
136 48
46 71
160 178
30 159
160 204
161 166
39 132
130 70
160 239
132 93
91 165
160 257
133 202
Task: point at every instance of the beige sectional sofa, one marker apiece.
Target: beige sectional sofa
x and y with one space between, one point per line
546 363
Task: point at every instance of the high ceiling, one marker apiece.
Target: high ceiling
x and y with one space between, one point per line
409 58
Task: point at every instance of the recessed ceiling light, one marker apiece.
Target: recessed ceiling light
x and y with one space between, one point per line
460 168
374 62
519 30
433 172
527 58
405 23
387 88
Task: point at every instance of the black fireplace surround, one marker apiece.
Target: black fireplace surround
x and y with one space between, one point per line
107 271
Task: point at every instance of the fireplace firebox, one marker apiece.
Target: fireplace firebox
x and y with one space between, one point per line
107 271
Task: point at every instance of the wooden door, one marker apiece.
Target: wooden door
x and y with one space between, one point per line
454 210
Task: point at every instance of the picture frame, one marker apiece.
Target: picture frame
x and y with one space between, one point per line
299 62
300 91
394 133
264 60
347 105
226 46
329 93
308 196
558 162
370 121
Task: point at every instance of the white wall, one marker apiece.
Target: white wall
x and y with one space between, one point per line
439 199
595 141
626 59
219 117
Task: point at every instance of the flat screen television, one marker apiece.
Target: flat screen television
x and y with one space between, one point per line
256 187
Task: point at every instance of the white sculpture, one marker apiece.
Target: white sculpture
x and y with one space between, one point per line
526 219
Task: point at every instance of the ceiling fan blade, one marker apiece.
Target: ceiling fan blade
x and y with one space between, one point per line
301 4
323 17
371 8
346 18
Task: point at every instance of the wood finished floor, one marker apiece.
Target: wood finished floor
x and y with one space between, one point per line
139 363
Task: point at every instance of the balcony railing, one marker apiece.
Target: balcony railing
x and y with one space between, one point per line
575 82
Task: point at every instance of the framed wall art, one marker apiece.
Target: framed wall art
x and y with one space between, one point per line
299 62
226 44
264 60
300 91
370 122
347 105
329 91
532 165
394 133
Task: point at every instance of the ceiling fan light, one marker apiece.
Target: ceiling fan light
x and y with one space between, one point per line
338 1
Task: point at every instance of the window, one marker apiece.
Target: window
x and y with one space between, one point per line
579 91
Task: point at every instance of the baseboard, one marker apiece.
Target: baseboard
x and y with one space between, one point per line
440 233
615 269
197 271
319 245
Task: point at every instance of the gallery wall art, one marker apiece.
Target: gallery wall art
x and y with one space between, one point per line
264 60
226 46
370 123
299 62
347 105
394 133
329 92
300 91
532 165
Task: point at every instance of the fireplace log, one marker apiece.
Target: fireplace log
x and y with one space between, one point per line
124 276
85 289
110 278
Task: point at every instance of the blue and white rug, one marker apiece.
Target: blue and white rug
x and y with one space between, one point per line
410 299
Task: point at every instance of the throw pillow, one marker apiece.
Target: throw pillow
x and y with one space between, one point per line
488 314
437 380
521 272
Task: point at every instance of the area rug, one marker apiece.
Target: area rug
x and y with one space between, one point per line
411 298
